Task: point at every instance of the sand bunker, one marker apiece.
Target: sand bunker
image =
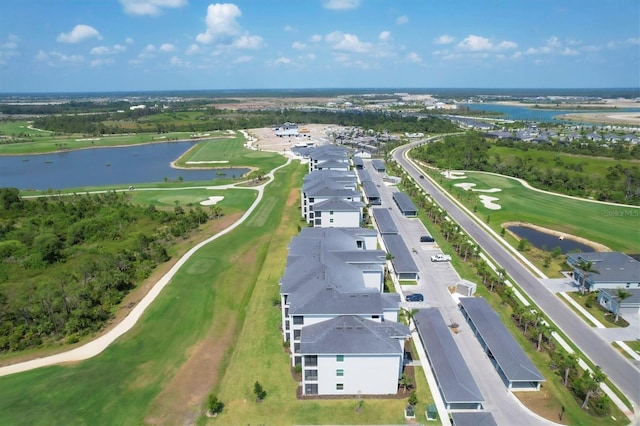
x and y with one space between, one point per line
212 200
206 162
454 175
488 202
487 190
465 185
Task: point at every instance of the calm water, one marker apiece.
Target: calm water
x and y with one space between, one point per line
522 113
102 166
548 242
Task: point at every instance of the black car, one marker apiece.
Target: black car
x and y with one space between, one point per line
415 297
421 177
426 239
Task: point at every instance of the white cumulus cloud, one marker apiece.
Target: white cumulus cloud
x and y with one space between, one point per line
106 50
78 33
221 22
444 39
298 45
248 42
474 43
414 57
401 20
341 4
149 7
384 36
167 47
347 42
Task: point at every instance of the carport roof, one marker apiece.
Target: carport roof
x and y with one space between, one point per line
513 362
402 261
384 221
364 175
477 418
404 202
378 164
455 381
370 189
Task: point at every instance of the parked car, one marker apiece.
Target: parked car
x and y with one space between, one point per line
440 257
415 297
426 239
421 177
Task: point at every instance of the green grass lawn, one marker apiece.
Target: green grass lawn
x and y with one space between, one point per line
36 142
617 227
605 317
117 387
234 199
230 149
20 129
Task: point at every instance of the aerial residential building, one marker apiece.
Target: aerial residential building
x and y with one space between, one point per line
323 186
335 313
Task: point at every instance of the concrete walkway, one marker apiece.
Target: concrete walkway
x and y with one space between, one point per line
98 345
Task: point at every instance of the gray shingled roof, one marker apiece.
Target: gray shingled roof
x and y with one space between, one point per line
456 383
349 334
402 261
404 202
612 266
511 359
337 205
325 267
384 221
634 299
357 161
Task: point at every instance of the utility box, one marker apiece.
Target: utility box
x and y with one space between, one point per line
432 412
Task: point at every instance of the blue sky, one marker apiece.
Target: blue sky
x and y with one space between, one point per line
125 45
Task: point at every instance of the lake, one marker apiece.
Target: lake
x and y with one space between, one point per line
548 242
104 166
523 113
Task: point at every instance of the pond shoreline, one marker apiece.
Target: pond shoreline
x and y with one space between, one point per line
596 246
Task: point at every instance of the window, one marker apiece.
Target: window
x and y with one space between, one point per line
310 360
339 358
298 319
340 372
296 334
330 211
318 214
331 220
311 375
339 386
311 389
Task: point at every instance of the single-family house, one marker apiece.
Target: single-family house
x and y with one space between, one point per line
610 300
611 270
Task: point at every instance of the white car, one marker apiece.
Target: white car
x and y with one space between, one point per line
441 258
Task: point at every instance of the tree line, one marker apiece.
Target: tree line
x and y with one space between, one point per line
217 119
66 262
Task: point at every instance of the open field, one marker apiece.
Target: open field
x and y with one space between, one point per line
615 226
208 297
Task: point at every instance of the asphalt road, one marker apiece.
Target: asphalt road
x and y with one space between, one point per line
619 369
435 279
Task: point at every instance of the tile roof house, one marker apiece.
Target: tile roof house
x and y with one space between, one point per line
335 313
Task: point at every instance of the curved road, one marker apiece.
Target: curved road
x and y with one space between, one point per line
98 345
618 369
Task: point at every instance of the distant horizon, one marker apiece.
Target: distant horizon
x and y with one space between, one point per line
568 91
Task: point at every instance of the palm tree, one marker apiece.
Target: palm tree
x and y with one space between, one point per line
409 314
591 382
621 295
568 361
586 266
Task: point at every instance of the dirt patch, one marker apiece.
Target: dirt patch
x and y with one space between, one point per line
596 246
180 402
543 404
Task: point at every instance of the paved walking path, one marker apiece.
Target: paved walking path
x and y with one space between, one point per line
98 345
